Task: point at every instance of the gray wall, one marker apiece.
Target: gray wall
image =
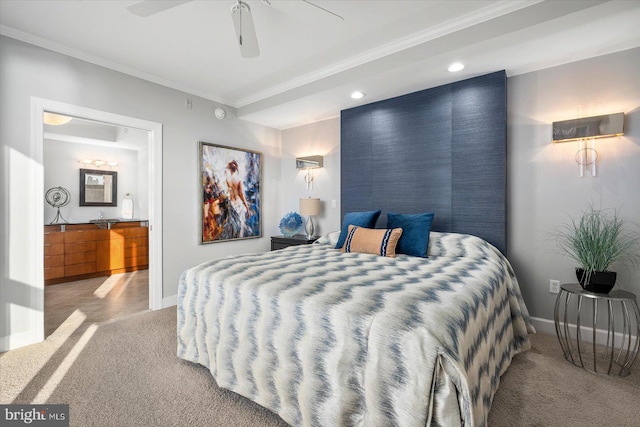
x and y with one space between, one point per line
321 138
61 169
543 182
25 71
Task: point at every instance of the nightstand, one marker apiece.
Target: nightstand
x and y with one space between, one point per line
281 242
590 312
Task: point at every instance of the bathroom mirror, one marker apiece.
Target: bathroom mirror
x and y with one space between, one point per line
98 188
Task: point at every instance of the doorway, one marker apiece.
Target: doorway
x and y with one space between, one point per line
153 198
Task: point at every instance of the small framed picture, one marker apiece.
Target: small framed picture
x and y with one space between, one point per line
231 194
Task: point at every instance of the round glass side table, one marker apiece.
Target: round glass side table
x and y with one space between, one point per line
618 355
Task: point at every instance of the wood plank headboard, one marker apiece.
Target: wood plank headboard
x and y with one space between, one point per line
440 150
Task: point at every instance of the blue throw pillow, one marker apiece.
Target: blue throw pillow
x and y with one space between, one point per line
415 232
361 219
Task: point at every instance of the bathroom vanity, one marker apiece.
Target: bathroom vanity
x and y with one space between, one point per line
99 248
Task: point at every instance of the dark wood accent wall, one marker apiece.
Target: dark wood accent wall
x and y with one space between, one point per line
440 150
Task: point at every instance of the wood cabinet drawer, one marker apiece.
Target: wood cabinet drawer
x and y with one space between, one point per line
53 273
134 251
136 242
53 238
80 258
78 269
79 236
110 254
136 232
136 261
54 261
79 247
50 250
109 234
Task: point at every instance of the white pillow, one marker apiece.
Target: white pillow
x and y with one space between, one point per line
329 238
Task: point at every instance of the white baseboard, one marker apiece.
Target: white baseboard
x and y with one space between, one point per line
11 342
170 301
547 326
544 326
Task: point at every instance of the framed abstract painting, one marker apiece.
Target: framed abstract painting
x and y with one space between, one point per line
231 194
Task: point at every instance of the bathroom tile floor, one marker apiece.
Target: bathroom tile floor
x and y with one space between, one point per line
73 306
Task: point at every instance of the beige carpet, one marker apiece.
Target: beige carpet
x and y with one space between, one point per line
125 373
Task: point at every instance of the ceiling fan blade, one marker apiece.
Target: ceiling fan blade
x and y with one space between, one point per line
151 7
245 30
322 8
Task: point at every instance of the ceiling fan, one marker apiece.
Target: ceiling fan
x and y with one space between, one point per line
240 15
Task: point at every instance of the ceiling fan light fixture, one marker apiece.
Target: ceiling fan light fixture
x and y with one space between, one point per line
55 119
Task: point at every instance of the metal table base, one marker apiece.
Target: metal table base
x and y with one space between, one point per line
618 355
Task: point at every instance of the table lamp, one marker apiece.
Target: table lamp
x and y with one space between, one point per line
309 207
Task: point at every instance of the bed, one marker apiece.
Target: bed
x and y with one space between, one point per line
326 338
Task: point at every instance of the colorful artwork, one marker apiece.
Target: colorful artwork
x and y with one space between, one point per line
231 200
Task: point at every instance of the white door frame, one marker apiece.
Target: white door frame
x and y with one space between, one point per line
38 107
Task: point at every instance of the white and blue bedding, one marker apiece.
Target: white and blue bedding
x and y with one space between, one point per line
325 338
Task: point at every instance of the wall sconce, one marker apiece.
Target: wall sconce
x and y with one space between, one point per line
308 163
585 131
309 207
98 163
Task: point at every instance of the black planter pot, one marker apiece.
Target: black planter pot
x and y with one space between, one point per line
600 282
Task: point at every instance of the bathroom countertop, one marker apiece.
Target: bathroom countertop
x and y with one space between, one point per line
100 223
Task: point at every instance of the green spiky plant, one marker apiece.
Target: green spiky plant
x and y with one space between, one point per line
598 239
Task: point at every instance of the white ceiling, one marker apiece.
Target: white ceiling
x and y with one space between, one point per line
310 61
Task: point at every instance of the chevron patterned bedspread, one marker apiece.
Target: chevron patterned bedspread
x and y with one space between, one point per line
325 338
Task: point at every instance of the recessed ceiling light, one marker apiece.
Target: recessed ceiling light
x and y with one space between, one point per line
456 66
357 95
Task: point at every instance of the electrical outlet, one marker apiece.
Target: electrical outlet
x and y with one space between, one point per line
554 286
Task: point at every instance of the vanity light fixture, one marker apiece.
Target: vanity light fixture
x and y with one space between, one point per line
357 94
455 67
98 163
585 131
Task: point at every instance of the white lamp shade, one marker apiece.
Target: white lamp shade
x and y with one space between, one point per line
309 206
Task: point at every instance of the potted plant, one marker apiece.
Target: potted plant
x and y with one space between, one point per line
595 241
